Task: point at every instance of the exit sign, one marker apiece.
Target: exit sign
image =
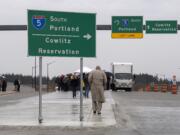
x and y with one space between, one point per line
127 27
162 27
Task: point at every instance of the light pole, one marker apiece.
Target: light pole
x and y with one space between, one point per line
34 78
47 80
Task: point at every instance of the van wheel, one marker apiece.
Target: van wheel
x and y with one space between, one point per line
128 90
113 87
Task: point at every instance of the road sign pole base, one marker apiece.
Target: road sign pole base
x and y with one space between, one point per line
40 120
81 118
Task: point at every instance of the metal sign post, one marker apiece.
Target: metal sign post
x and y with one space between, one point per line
40 90
81 89
35 75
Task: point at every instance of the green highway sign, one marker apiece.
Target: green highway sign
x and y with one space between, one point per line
61 34
161 27
127 27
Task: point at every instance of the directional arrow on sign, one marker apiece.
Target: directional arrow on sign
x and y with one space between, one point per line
87 36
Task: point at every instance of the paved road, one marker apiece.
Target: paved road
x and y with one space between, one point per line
136 113
12 97
149 113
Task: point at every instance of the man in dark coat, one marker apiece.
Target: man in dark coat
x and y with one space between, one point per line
4 85
17 85
0 84
74 84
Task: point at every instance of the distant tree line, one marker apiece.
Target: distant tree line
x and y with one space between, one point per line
147 79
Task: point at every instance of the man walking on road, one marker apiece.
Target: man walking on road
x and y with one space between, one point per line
17 85
97 80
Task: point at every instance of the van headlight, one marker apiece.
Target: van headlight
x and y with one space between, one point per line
130 84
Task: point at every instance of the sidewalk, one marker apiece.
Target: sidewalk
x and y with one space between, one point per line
59 109
7 92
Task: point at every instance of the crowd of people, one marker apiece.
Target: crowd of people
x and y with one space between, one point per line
72 82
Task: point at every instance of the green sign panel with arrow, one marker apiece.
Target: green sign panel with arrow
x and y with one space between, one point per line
127 27
61 34
161 27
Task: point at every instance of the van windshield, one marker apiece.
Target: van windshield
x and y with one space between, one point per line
124 76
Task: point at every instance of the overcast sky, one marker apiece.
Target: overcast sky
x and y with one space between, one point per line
154 54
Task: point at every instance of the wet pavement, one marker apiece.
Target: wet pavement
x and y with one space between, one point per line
9 90
136 113
149 113
59 109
